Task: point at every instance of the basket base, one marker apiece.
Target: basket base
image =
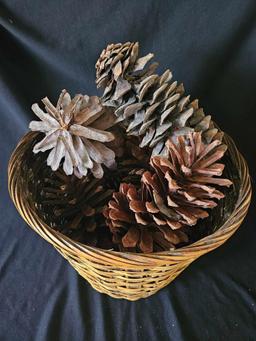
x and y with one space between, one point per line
135 284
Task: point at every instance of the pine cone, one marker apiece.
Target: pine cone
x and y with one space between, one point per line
117 66
149 105
133 227
173 195
73 206
131 161
75 131
180 186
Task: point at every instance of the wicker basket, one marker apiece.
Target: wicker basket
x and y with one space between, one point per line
127 275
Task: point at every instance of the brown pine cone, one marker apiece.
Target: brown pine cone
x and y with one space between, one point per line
173 195
131 161
133 227
182 186
72 206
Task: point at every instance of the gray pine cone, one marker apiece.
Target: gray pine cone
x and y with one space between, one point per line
75 131
150 106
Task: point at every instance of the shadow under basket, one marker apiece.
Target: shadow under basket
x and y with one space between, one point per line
131 275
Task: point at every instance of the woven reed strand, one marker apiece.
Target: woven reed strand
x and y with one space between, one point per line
127 275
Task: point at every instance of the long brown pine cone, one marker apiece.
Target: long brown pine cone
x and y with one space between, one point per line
174 194
150 105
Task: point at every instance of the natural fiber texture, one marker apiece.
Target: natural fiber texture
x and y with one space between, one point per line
128 275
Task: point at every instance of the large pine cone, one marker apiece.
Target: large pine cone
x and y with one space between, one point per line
133 227
174 194
67 204
75 132
151 106
180 186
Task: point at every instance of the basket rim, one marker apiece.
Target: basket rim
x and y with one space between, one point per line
203 245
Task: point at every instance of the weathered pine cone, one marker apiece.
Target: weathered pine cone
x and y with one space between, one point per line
151 106
75 130
119 64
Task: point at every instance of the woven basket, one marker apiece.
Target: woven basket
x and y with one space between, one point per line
128 275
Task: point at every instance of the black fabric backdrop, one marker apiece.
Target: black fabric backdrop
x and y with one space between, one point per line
46 46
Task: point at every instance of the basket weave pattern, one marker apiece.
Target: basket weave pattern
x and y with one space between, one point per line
127 275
